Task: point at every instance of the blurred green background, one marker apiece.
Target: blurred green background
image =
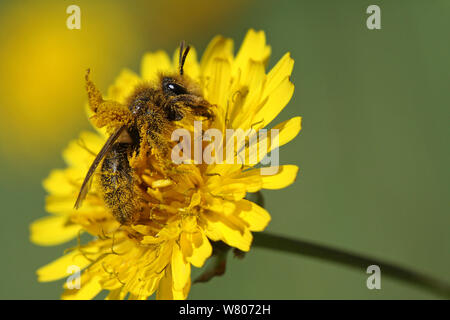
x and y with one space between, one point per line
373 151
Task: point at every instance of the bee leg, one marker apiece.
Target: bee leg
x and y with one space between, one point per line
94 95
203 111
118 184
106 112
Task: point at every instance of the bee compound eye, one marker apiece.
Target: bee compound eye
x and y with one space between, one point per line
175 89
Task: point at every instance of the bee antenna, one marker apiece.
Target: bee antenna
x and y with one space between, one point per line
183 54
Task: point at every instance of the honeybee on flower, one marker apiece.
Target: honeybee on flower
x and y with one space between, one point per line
153 218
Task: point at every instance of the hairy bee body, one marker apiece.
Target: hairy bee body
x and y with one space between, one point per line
151 122
117 182
145 122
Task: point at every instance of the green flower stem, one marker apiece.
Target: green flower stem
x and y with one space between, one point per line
306 248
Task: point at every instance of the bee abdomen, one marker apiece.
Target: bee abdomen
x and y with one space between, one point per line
118 184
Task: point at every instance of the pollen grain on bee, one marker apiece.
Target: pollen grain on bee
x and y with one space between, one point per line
237 146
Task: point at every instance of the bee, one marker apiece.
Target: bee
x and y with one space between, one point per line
144 122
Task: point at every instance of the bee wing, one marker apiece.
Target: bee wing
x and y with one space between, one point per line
106 147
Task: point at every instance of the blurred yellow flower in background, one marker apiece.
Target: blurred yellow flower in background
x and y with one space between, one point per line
191 207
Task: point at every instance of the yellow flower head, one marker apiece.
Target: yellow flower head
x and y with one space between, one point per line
186 207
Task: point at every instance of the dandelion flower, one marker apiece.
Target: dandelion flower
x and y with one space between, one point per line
190 208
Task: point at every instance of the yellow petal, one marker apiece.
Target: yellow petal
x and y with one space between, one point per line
182 294
49 231
249 180
247 94
165 286
81 152
275 102
218 75
220 206
163 294
256 217
253 47
151 240
229 230
287 131
154 63
59 268
167 291
117 294
88 290
63 205
202 249
162 183
186 244
137 297
235 190
195 200
124 86
151 285
279 72
286 175
223 169
58 182
189 224
181 269
220 48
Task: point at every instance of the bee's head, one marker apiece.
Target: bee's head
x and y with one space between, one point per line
182 95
